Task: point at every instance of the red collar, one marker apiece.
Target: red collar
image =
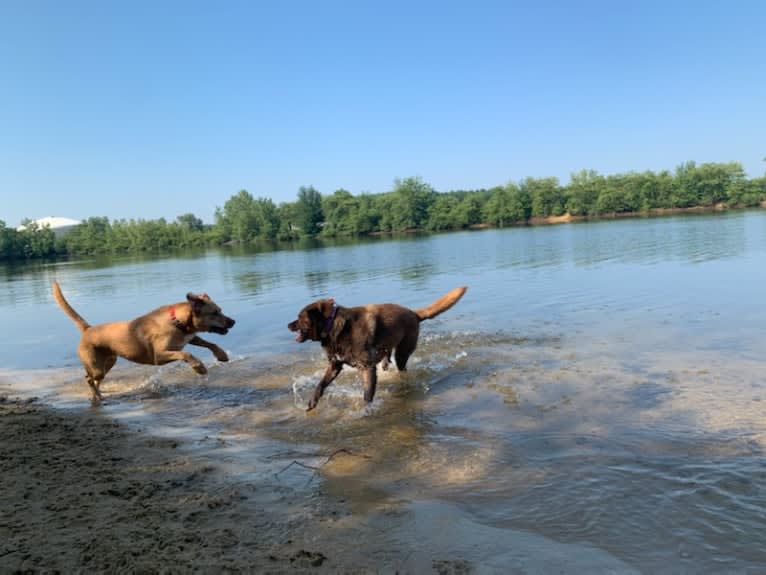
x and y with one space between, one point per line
176 322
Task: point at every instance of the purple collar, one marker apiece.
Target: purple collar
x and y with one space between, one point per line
331 319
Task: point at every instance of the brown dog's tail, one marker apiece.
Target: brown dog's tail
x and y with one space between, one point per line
64 304
441 305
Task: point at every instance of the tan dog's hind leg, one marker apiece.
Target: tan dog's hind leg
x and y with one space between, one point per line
219 354
97 365
95 394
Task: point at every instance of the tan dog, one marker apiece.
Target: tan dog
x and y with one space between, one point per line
362 336
156 338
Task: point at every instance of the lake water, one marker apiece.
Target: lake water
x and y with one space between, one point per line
596 400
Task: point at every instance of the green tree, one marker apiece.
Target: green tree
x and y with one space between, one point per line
468 210
34 241
340 212
267 217
583 191
442 213
507 205
546 196
288 216
368 215
310 215
685 190
89 237
190 222
411 199
621 193
715 180
238 220
7 242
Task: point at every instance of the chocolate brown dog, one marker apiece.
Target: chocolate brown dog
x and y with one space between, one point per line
156 338
362 336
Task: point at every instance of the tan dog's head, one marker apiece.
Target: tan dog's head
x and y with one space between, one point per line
207 316
314 321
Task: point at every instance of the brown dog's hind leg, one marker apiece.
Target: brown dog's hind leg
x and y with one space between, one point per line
402 354
370 377
386 361
404 350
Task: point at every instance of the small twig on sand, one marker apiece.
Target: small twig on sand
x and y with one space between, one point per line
4 553
317 469
296 462
347 452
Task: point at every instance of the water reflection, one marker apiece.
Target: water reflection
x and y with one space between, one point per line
690 238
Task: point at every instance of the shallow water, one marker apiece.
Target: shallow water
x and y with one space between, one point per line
594 403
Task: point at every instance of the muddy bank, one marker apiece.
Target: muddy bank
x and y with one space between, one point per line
81 493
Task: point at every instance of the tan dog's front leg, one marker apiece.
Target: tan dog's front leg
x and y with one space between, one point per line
219 354
168 356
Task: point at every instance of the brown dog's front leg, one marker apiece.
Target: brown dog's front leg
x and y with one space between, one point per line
330 373
168 356
370 377
219 354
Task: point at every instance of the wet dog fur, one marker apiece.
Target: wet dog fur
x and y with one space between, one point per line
365 335
155 338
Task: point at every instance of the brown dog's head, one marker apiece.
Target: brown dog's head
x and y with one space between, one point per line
315 321
207 316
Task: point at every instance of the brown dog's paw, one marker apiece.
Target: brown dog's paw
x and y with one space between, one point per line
312 403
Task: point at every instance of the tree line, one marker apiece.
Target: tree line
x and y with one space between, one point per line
412 205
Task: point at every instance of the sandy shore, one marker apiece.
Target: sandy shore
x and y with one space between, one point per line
81 493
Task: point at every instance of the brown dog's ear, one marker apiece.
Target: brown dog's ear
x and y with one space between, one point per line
331 318
337 326
325 306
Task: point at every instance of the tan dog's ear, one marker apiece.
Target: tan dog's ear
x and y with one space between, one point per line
197 300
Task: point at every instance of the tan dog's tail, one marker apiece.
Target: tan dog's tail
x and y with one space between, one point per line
64 304
441 305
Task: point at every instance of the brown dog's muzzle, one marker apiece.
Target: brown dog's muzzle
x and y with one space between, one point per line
301 336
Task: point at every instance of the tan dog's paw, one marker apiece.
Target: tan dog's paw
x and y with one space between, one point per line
220 355
199 368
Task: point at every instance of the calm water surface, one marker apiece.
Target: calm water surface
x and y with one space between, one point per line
596 400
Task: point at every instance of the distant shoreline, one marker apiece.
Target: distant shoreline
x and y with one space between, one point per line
569 218
654 212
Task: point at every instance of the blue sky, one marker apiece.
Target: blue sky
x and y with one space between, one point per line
141 109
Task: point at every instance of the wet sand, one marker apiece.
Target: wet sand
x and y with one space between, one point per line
80 492
493 454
